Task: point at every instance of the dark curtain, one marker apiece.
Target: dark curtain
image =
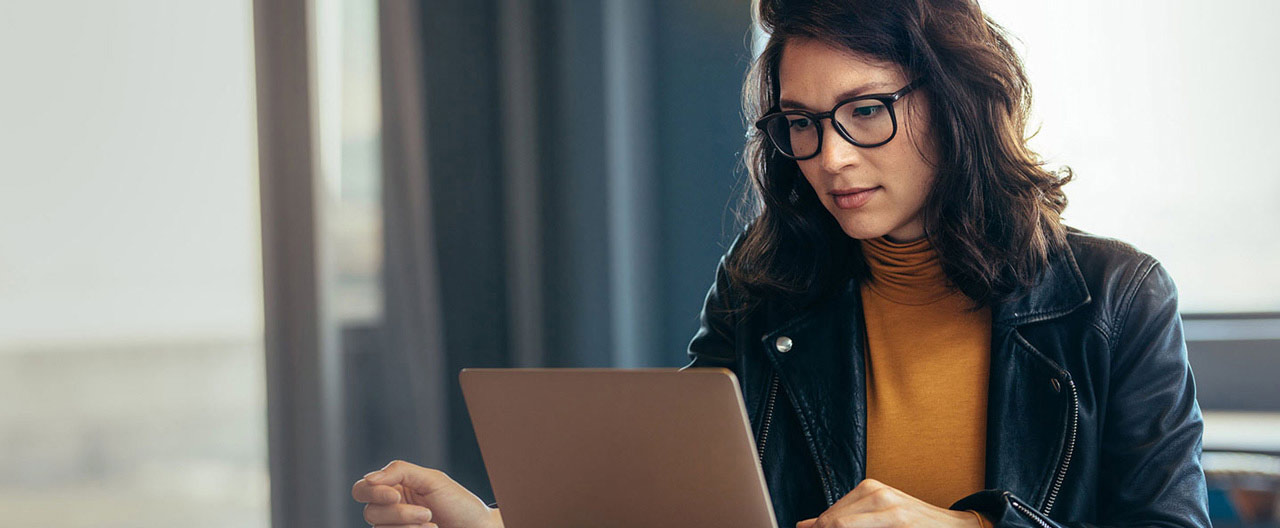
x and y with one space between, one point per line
558 185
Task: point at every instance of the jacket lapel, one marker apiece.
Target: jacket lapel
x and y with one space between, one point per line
821 373
1026 417
1028 406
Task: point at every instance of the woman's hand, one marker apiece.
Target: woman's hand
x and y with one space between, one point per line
403 494
874 504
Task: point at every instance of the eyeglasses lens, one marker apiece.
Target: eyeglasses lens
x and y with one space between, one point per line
867 122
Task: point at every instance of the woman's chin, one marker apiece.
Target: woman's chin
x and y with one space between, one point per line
862 230
866 225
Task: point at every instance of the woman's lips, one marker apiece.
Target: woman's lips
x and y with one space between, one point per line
853 198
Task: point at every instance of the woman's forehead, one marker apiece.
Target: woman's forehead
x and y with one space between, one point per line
813 75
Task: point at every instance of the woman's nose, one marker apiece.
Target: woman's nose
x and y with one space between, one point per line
837 153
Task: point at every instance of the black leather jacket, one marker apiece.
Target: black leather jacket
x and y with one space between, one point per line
1092 418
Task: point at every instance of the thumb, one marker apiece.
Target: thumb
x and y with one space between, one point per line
807 523
412 476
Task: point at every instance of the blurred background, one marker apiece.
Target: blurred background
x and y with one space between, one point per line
246 246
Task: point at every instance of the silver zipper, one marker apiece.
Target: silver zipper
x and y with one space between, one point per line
1027 511
768 415
764 438
826 486
1066 456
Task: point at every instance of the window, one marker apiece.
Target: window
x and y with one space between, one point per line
131 368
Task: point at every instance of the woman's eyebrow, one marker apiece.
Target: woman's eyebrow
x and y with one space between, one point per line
847 94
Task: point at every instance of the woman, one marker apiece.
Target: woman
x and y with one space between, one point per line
920 341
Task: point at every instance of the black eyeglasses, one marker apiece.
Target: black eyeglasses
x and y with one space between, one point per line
866 121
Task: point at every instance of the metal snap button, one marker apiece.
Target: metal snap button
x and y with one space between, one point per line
783 344
1057 386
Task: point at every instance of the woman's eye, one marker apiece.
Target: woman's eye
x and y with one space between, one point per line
800 123
867 111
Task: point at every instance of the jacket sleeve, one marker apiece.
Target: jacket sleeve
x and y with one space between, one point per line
1152 435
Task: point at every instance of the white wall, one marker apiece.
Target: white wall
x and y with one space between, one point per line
1167 112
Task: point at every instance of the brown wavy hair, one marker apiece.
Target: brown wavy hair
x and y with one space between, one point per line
993 214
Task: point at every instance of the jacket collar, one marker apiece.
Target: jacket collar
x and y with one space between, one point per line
1059 290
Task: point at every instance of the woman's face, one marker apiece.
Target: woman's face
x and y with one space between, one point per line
894 178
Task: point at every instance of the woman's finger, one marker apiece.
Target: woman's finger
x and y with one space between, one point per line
364 491
427 525
378 514
418 478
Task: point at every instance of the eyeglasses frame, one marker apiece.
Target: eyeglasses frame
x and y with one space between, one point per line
888 99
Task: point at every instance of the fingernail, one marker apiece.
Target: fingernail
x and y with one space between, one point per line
424 515
373 475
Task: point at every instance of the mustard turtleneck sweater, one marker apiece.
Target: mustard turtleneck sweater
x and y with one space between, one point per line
928 359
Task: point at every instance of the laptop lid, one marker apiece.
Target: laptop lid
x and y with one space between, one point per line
568 448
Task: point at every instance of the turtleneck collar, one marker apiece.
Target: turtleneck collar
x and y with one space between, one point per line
907 272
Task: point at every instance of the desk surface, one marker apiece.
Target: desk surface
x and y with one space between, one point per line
1243 431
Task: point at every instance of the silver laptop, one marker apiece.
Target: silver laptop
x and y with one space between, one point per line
591 448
